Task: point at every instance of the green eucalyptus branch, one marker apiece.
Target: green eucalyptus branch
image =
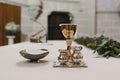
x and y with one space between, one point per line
104 46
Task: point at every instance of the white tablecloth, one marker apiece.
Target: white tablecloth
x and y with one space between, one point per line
14 67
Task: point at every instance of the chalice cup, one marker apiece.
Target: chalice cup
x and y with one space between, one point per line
68 31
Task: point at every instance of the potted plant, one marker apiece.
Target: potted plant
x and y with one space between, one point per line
11 30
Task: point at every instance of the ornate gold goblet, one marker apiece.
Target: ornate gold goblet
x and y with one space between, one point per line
68 30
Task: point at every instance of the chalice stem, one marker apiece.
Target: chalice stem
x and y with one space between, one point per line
69 52
69 42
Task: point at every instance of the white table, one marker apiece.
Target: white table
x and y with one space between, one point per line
14 67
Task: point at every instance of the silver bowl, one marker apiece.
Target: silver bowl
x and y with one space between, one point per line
34 55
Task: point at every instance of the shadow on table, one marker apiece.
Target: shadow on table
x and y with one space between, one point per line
27 63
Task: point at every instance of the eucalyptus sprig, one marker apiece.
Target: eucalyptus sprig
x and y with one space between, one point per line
104 46
109 48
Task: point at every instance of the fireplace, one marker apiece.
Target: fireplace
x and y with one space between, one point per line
54 19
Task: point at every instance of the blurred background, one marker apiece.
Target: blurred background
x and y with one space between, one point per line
93 17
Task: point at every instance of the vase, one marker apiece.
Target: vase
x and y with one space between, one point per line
10 40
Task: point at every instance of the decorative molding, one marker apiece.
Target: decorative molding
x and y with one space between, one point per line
26 5
67 1
14 3
107 11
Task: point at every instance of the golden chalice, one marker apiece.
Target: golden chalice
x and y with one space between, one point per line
70 57
68 30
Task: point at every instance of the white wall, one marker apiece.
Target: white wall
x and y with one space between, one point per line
86 18
83 12
108 20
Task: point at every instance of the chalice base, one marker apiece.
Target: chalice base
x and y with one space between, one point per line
75 61
81 64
